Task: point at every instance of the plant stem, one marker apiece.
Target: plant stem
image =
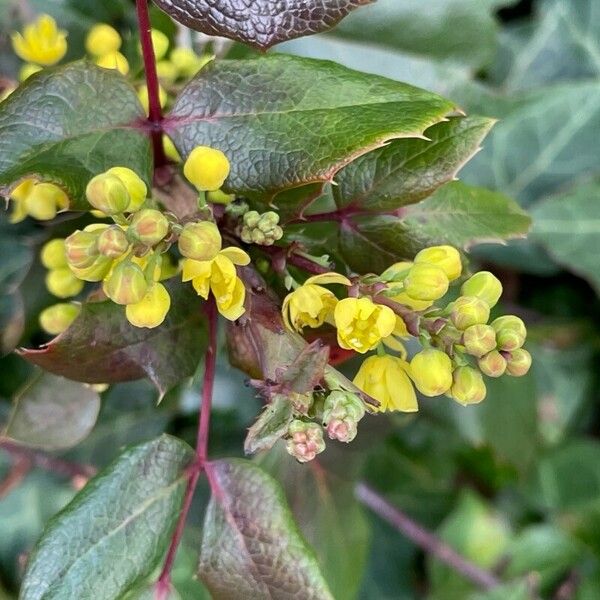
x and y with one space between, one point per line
426 540
164 581
154 109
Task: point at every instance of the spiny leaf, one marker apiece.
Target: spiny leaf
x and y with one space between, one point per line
260 23
271 425
115 530
284 121
251 547
68 123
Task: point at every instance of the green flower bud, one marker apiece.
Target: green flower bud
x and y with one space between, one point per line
113 242
518 363
62 283
445 257
468 311
483 285
251 219
96 271
149 226
341 413
81 248
58 318
108 194
220 197
135 186
468 386
426 282
431 370
200 241
258 237
510 332
479 340
126 284
268 221
305 440
53 254
493 364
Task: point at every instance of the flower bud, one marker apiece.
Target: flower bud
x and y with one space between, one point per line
188 63
160 43
268 221
468 311
468 386
149 226
152 309
207 168
445 257
126 284
95 271
426 282
114 60
479 340
53 254
483 285
58 318
135 186
518 363
200 241
493 364
341 413
81 248
166 71
431 370
102 39
251 219
44 200
306 440
62 283
108 194
113 242
510 332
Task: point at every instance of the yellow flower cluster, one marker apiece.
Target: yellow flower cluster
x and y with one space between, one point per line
41 44
38 200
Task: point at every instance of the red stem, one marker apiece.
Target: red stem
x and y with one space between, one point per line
155 116
163 584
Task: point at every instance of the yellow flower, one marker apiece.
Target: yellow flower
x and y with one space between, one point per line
114 60
362 324
445 257
102 39
63 283
431 370
166 71
143 97
170 150
311 304
152 309
39 200
386 378
187 62
134 184
54 254
207 168
426 282
160 42
219 276
57 318
41 43
392 341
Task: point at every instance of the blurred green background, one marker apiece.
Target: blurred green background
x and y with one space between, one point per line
513 484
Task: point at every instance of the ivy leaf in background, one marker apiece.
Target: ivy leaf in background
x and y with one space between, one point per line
117 527
53 413
101 346
81 120
285 121
251 547
261 23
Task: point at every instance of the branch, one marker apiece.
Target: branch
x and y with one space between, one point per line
426 540
163 584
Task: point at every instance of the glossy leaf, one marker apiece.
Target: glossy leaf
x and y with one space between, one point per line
251 547
285 121
80 120
101 346
117 528
53 413
260 23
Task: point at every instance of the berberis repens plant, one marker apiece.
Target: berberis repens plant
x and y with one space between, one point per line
300 206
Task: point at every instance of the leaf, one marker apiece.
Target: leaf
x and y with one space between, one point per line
115 530
251 547
285 121
406 171
53 413
101 346
568 225
68 123
456 214
263 23
271 425
307 370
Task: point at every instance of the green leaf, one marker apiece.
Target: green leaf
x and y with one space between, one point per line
519 590
323 501
285 121
251 547
462 31
406 171
101 346
53 413
115 530
271 425
268 22
568 226
68 123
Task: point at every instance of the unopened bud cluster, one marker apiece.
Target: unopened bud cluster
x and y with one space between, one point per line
262 229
